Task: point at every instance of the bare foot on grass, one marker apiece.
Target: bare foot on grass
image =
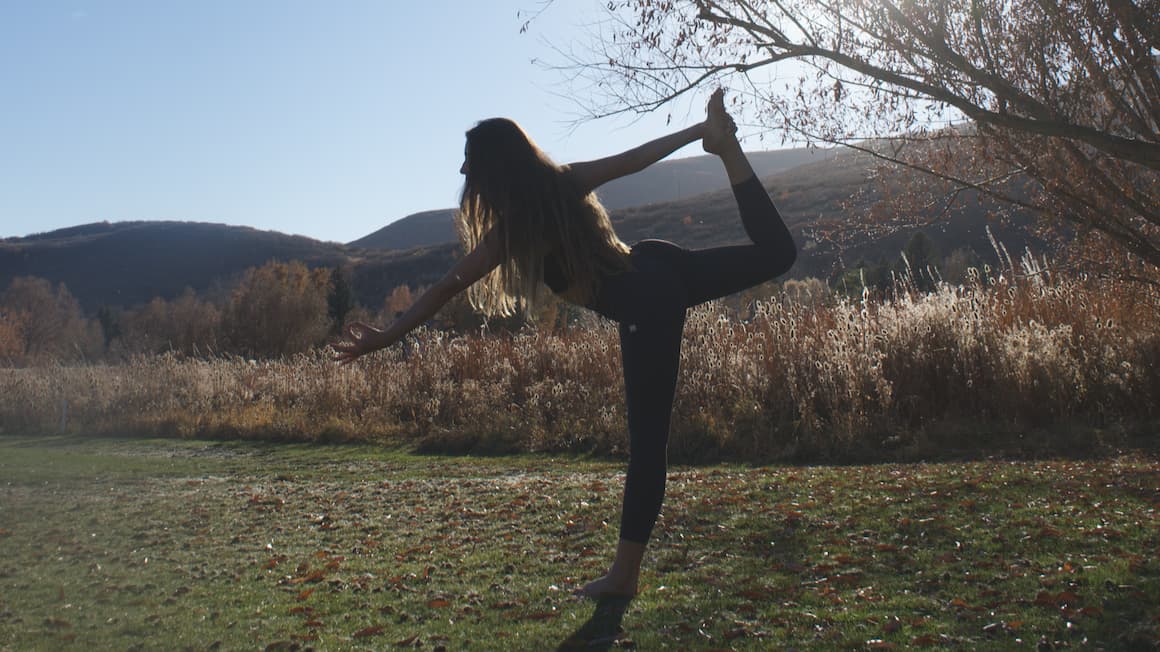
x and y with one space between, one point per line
607 586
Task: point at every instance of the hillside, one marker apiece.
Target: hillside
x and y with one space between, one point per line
417 230
128 263
667 181
124 264
814 199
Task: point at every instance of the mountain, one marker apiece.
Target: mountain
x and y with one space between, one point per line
125 264
664 182
129 263
816 199
415 230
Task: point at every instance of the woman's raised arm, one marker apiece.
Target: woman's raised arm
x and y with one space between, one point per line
361 339
590 175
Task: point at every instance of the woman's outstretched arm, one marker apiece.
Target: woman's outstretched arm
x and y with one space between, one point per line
361 339
590 175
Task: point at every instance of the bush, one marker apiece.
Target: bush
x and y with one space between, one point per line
842 378
278 309
40 324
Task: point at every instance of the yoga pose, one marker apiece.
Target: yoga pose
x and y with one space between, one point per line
528 222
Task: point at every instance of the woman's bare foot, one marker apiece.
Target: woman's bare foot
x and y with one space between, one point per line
607 586
720 130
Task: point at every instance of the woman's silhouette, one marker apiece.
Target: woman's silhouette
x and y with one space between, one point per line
528 222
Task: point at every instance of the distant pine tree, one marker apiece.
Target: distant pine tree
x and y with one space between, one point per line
340 297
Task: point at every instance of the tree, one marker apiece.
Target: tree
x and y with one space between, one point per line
49 321
340 297
919 258
1049 105
110 322
397 302
278 309
11 335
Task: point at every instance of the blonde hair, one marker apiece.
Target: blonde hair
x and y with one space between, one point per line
535 210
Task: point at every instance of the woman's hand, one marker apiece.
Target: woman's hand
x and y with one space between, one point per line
358 340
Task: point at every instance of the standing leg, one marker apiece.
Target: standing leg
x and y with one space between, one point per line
652 358
650 345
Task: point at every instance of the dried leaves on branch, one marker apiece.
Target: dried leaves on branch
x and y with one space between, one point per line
1052 105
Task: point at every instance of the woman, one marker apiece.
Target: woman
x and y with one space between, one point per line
528 222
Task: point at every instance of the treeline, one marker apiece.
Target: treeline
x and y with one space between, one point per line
274 310
1024 361
281 309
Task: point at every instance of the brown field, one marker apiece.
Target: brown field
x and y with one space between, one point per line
1004 366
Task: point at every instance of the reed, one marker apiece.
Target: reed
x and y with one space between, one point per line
1010 352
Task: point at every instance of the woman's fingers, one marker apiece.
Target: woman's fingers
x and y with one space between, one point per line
355 342
348 350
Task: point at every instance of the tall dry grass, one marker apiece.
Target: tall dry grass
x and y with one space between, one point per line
1010 352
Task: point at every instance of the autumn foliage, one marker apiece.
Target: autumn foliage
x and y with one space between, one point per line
40 323
278 309
1050 106
1015 350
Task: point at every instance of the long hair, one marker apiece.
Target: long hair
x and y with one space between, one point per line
535 210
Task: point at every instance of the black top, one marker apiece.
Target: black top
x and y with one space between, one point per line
554 275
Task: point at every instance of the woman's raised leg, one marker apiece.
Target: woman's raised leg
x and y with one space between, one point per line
721 271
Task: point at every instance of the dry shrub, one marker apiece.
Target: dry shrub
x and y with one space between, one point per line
40 323
1007 352
187 325
278 309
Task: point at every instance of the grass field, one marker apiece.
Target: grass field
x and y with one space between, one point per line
170 545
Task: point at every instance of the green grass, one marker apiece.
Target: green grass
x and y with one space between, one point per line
162 545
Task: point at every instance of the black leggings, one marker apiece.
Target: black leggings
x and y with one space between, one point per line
649 302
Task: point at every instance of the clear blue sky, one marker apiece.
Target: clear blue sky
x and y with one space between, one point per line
326 119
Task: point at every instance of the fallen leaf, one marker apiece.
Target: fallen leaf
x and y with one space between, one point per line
739 632
313 576
367 632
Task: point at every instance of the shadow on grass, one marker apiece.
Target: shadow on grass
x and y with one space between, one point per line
602 630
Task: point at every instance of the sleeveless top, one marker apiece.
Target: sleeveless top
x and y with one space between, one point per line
554 275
